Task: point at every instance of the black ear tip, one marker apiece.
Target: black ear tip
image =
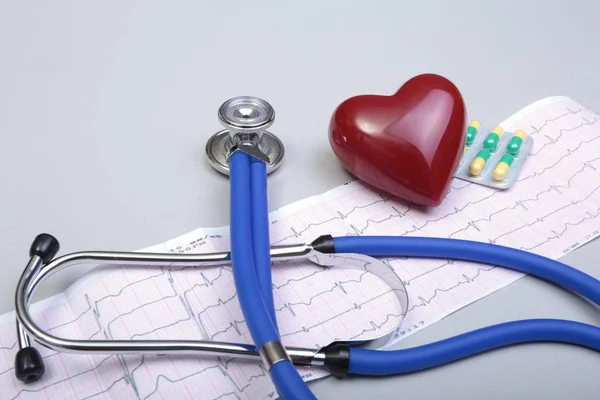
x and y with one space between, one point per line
45 246
29 365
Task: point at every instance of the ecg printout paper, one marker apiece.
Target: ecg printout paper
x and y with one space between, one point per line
552 210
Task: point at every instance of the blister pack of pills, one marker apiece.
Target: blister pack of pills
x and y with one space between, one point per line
493 158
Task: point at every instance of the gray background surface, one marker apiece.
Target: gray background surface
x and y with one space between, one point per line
105 108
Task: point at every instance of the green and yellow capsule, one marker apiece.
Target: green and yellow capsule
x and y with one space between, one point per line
503 166
472 130
515 143
479 162
491 141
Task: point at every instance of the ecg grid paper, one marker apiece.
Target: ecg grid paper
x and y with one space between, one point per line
552 210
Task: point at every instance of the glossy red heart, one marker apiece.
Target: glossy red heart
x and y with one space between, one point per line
408 144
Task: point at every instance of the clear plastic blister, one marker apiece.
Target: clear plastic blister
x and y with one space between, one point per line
492 174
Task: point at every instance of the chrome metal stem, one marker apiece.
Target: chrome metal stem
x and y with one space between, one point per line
31 270
278 253
23 339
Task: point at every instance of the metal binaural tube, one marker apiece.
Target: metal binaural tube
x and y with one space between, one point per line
280 253
22 338
40 267
36 272
32 271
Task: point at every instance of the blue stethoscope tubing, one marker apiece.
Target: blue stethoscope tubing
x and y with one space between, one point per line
252 276
370 362
250 257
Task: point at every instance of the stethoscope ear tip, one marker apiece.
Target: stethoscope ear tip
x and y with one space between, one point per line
44 246
29 365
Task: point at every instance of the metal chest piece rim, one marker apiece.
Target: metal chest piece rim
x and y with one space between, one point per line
245 118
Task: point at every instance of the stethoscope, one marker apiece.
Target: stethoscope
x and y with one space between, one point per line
247 152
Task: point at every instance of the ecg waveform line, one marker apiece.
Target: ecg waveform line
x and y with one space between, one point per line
206 297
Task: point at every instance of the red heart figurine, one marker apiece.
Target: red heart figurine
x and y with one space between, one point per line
408 144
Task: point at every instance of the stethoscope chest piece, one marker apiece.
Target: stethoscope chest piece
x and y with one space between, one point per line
246 119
